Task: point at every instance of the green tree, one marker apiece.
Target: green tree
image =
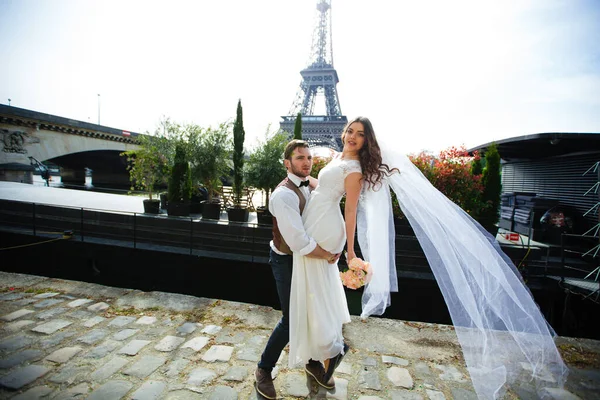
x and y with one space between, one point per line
492 187
149 165
209 151
146 167
298 127
476 164
265 166
180 182
164 139
238 155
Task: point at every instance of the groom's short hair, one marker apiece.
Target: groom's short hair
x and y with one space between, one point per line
293 145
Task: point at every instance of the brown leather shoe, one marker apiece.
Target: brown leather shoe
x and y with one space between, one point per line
264 384
317 371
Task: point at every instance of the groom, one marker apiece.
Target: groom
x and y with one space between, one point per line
287 204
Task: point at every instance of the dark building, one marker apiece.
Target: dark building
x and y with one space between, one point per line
556 166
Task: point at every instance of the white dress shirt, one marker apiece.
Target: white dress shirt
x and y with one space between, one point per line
284 204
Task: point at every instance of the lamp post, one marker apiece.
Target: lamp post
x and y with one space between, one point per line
9 102
98 108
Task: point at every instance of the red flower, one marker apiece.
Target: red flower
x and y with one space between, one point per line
451 173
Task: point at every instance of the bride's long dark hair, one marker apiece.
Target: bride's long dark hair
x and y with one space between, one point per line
369 155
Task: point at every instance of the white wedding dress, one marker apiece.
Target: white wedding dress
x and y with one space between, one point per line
318 307
505 339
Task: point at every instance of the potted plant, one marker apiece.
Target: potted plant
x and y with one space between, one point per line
180 183
238 213
209 154
265 170
199 195
162 141
164 200
147 168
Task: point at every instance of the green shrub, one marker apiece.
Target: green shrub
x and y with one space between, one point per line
492 187
264 168
180 182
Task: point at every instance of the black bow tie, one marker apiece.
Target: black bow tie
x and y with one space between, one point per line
303 183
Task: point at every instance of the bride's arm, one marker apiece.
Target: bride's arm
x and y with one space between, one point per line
352 184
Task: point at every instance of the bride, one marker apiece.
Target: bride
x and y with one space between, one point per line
504 337
318 307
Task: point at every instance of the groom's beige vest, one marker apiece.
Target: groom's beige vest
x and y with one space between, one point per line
278 239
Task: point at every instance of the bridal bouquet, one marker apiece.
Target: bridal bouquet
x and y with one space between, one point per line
358 274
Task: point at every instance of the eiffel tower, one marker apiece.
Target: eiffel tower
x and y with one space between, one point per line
319 80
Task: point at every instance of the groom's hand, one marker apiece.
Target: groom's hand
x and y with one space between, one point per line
334 258
323 254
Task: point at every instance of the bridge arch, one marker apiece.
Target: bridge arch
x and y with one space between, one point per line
70 144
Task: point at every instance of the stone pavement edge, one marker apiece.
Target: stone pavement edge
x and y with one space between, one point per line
62 339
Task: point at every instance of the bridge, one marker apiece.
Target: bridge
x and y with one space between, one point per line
72 145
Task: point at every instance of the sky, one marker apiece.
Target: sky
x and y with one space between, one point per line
433 74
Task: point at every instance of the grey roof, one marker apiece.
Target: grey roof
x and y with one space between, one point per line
543 145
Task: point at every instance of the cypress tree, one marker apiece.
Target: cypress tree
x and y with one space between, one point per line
492 186
238 154
298 127
477 167
180 182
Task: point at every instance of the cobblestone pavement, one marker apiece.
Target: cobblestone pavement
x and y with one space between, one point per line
64 339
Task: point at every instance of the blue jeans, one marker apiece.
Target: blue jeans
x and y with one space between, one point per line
282 272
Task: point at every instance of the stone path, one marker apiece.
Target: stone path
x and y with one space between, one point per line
64 339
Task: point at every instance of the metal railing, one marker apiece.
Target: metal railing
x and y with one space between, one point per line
574 247
191 235
184 235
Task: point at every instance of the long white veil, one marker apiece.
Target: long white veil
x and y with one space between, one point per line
503 335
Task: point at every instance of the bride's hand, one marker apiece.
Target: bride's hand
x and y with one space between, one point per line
350 255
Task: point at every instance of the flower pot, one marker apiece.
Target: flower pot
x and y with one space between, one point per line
211 210
152 206
196 207
263 216
178 209
237 214
163 201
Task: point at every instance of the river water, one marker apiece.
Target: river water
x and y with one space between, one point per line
55 181
258 198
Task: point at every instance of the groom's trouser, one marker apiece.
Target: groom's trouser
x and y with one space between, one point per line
282 271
